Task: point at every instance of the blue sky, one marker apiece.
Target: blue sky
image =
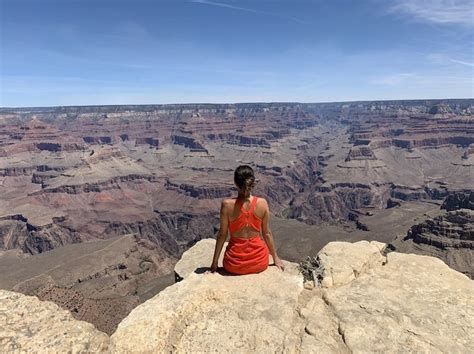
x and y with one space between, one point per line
78 52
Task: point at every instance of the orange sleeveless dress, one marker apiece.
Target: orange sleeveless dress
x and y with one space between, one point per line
246 255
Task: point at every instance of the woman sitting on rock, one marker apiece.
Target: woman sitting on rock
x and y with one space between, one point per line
246 217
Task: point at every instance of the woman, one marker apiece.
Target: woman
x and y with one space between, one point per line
246 217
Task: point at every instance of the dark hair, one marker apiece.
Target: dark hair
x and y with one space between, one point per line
244 177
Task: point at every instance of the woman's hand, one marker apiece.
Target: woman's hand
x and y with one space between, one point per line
279 263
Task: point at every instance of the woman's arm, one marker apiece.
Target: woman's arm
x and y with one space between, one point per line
221 236
268 237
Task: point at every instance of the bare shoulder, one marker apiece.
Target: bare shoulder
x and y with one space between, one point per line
262 202
227 203
262 205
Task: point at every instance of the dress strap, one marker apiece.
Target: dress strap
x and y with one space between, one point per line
253 203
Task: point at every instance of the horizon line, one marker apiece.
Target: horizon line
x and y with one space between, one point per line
233 103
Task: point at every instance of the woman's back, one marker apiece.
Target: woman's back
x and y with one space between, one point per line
245 220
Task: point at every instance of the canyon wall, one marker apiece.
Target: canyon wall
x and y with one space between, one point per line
449 236
152 178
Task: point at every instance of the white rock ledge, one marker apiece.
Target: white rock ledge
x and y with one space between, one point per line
368 303
30 325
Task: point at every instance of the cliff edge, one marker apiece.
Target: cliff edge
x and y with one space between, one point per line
366 302
30 325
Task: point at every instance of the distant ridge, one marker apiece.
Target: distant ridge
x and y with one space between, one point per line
152 107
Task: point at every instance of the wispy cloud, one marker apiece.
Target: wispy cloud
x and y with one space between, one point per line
392 79
437 11
444 58
220 4
420 80
462 62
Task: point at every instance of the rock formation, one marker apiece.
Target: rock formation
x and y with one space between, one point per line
459 200
30 325
360 152
367 302
99 281
449 236
144 162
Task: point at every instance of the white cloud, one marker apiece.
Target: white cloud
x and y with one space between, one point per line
444 58
444 85
392 79
462 62
438 11
246 9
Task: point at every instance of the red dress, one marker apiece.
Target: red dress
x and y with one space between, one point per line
246 255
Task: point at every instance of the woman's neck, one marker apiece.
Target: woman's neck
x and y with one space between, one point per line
243 196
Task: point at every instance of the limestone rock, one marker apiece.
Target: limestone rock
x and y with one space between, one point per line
30 325
371 303
199 258
398 303
214 312
411 304
343 261
321 331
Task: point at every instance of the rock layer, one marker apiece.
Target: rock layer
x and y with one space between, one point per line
459 200
107 165
449 236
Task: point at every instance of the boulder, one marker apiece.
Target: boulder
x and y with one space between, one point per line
30 325
368 303
197 259
215 312
411 304
343 261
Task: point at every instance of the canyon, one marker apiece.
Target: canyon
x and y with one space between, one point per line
98 203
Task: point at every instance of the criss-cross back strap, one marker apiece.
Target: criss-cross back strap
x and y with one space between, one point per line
253 203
